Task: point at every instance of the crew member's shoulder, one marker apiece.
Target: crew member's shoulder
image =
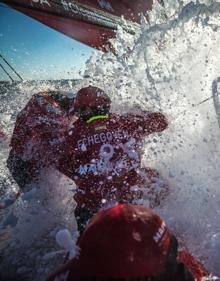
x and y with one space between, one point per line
112 117
36 101
48 103
132 117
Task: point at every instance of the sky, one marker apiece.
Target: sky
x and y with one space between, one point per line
37 51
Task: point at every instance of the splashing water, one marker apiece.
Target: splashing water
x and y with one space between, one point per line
29 226
170 66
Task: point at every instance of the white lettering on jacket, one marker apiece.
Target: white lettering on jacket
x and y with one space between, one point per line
101 138
127 162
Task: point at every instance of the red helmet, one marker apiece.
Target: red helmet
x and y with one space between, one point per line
91 97
125 241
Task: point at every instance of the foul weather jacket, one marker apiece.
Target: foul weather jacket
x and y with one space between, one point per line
103 157
38 133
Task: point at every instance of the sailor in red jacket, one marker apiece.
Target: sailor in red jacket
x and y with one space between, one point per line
39 131
103 155
129 242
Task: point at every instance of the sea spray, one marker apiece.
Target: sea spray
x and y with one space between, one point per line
170 67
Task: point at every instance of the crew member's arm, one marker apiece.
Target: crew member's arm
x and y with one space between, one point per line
154 122
148 122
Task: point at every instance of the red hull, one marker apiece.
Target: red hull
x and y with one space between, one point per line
91 22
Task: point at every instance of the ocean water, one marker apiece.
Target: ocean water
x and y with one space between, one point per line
171 65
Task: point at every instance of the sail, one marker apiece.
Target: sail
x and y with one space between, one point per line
91 22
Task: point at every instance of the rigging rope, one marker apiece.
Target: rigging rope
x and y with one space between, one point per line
10 67
6 72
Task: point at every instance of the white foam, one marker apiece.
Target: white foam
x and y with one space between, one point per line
170 67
